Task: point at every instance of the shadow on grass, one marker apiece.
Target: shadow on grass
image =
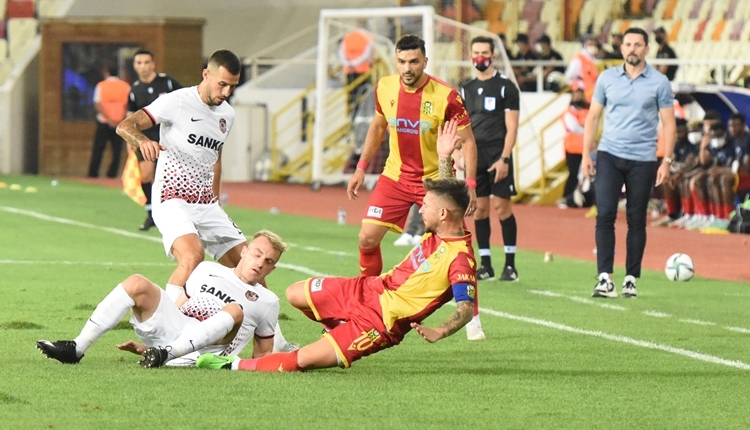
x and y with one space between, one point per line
20 325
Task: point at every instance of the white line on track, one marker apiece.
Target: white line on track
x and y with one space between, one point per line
549 324
655 314
90 263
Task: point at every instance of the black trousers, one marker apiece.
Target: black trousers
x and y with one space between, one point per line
574 165
638 176
105 133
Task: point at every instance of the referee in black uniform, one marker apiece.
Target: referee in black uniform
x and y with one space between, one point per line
149 86
492 102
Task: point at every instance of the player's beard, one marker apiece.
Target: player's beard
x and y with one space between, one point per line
415 77
633 60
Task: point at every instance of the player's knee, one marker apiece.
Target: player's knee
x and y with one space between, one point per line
136 285
235 310
367 241
191 259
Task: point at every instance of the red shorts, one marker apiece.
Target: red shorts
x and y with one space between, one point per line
361 331
390 202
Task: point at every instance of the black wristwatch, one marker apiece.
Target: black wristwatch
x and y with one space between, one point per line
506 160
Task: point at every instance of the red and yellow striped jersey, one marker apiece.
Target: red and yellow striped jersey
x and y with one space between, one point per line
413 119
425 280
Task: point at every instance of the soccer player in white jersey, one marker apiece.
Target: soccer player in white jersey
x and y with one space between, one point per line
195 123
220 310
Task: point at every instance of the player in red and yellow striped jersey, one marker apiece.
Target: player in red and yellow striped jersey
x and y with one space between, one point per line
412 106
366 314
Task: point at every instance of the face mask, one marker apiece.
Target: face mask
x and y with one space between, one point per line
481 63
538 48
593 50
579 104
718 142
695 137
659 39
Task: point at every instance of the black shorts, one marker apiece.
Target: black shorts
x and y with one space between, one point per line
139 156
486 185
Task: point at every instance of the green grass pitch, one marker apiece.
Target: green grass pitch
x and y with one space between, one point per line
676 357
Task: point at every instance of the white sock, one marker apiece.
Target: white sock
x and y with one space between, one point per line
201 335
174 291
107 314
475 321
279 342
236 364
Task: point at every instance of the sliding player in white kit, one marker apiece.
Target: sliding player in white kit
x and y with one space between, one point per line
195 123
220 310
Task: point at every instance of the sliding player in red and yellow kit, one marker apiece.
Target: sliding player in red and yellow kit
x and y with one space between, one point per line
411 106
366 314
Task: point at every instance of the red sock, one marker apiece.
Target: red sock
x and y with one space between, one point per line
701 208
726 210
370 261
279 362
476 302
712 209
687 205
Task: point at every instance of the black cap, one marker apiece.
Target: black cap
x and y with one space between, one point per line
544 39
522 37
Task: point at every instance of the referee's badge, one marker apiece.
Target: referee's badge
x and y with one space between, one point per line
489 103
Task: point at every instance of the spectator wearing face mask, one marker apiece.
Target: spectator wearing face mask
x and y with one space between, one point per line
665 52
524 74
582 72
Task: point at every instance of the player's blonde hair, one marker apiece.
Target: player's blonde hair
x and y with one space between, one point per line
276 241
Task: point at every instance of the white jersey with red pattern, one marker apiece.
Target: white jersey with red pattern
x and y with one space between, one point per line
212 286
193 133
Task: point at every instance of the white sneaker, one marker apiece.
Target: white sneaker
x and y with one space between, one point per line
405 240
605 287
628 287
474 331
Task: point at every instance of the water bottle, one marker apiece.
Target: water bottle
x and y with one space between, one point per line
341 218
224 198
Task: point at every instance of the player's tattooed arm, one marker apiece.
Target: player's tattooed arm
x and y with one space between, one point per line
130 130
445 168
459 318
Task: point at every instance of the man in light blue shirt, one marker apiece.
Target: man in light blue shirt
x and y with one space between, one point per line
633 97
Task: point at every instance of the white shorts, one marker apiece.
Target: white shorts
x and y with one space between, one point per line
175 218
164 326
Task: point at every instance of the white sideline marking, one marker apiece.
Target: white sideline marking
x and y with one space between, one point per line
656 314
697 322
91 263
303 269
549 324
579 300
623 339
137 235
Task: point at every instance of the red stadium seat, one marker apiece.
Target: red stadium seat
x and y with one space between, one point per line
21 9
2 29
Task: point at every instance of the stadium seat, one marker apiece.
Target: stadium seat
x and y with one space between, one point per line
5 67
21 9
3 35
3 6
736 29
3 50
21 32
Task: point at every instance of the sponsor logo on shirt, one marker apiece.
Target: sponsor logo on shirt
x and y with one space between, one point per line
222 125
419 260
375 212
466 277
316 285
216 292
205 142
405 125
427 108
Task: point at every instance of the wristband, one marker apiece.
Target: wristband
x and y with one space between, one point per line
471 183
362 164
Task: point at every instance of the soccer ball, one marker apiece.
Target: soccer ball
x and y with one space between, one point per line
679 267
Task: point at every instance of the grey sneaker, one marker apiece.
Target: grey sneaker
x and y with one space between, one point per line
154 356
484 273
509 274
63 351
628 287
605 287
